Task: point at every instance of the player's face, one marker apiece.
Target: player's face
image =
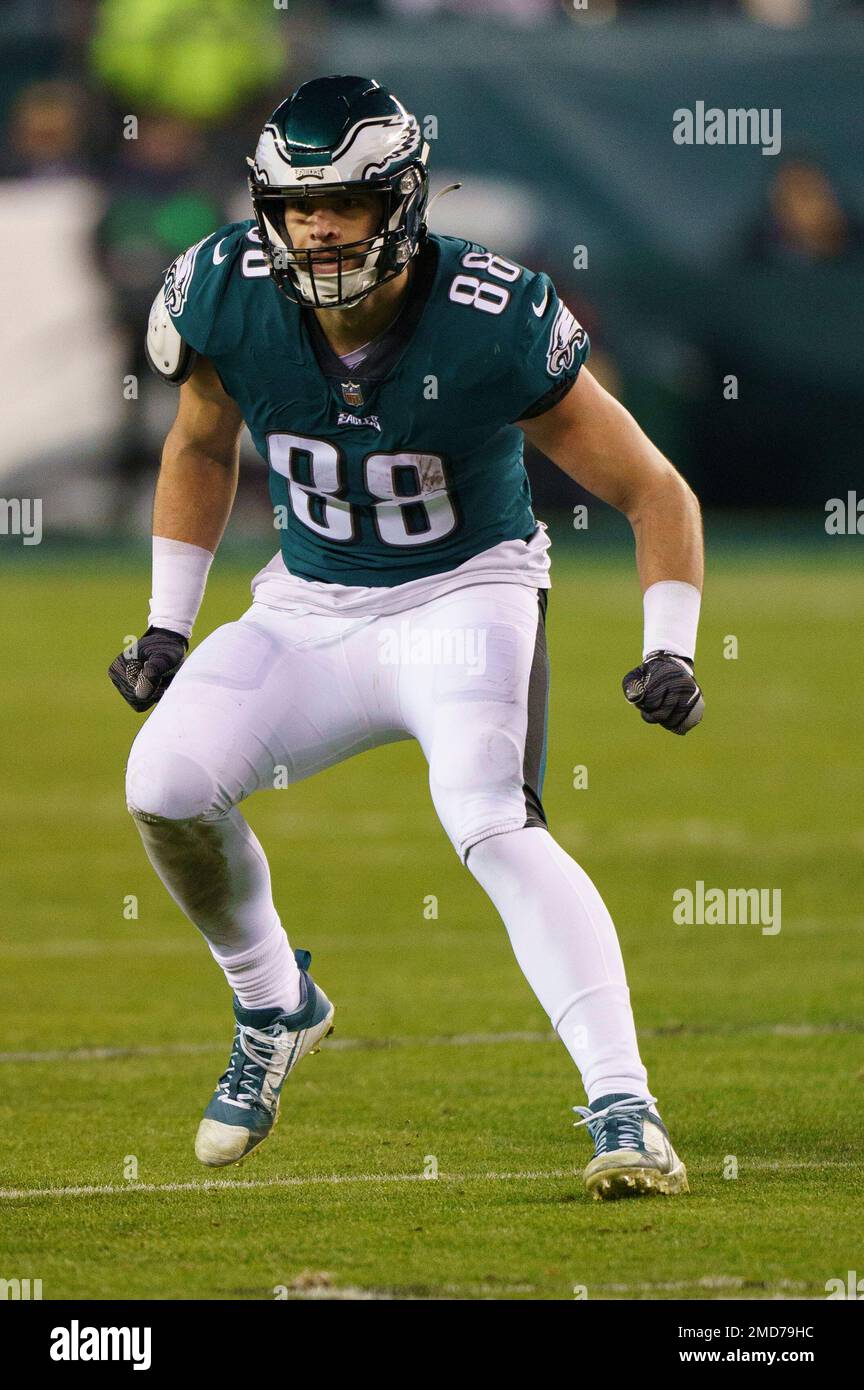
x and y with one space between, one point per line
332 220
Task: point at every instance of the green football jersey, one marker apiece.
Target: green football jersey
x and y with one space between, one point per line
410 463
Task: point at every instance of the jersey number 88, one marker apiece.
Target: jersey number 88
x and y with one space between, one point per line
483 294
411 508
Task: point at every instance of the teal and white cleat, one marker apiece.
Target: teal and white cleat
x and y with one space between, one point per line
268 1044
633 1155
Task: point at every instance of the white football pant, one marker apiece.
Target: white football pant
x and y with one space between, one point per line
279 695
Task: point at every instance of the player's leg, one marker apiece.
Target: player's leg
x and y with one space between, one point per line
566 944
482 726
253 703
268 696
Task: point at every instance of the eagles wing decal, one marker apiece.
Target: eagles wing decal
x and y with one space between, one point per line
278 140
408 141
362 143
567 335
179 277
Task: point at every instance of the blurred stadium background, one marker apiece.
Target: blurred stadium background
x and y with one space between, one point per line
125 126
702 263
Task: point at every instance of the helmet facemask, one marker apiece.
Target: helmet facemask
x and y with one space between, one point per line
381 256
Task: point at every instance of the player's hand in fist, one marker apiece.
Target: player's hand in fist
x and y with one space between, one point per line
143 673
665 691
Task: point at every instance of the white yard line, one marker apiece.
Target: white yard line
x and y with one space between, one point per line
237 1184
707 1281
11 1194
63 950
349 1294
781 1165
103 1054
190 1049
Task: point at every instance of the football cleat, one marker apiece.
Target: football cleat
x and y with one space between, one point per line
268 1044
633 1155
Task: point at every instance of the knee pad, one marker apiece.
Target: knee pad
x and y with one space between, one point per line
165 785
476 778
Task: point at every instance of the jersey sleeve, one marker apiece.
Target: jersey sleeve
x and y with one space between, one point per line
551 346
194 285
188 318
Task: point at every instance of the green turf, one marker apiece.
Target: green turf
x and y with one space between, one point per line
753 1042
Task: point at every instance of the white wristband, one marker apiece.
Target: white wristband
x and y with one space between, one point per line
671 617
179 576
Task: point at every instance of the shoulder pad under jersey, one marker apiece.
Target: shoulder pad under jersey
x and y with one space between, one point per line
186 307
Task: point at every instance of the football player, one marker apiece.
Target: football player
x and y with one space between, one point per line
388 376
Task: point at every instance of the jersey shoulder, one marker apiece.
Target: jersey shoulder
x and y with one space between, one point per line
191 314
197 281
534 345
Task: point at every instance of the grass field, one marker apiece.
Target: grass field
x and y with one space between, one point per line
114 1030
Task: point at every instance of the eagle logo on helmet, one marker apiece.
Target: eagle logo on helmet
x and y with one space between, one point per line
408 141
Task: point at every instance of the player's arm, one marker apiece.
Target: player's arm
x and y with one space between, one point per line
194 496
198 477
595 441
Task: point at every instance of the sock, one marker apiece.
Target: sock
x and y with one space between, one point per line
566 944
216 872
265 976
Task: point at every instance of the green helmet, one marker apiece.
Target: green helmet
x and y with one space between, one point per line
340 135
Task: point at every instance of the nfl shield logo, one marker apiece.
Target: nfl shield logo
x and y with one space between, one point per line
352 393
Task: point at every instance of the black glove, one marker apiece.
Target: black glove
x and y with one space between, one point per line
143 679
664 689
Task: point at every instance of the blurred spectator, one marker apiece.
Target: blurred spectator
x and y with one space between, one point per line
162 196
786 14
198 59
803 220
160 199
46 131
796 419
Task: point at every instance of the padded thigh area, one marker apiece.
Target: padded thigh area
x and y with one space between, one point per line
261 703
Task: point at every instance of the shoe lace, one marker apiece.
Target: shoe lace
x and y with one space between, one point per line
242 1082
623 1117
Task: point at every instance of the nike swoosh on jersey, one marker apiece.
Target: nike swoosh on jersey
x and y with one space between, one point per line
540 309
217 259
